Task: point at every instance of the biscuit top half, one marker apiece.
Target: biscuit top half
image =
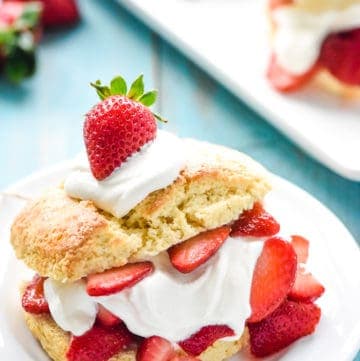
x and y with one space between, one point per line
67 239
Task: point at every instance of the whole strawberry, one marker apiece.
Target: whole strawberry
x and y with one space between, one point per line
119 125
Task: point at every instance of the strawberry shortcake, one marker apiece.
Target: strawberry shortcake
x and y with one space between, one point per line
318 42
156 248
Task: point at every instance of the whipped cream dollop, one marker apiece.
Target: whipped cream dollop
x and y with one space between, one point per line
300 34
168 303
155 166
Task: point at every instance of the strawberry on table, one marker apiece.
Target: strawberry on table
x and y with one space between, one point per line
273 278
285 325
106 318
60 12
33 299
192 253
19 34
155 348
100 343
116 279
119 125
255 222
201 340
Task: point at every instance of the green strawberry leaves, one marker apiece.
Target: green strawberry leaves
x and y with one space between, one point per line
136 92
137 88
118 86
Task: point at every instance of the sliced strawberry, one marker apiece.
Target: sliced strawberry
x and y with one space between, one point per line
33 299
273 278
340 54
201 340
100 343
274 4
284 81
306 287
285 325
155 348
255 222
301 247
192 253
106 318
116 279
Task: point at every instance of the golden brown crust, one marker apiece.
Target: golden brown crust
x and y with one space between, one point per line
56 342
67 239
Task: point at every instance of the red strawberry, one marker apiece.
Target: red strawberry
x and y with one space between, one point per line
306 287
10 11
340 54
116 279
106 318
201 340
60 12
33 300
284 81
155 348
285 325
99 344
255 222
192 253
274 4
184 358
273 278
118 126
301 247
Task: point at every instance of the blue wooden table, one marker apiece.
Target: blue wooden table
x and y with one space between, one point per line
41 121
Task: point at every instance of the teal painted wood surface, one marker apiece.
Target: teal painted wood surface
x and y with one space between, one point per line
40 122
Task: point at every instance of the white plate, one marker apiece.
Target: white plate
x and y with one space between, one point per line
334 259
230 40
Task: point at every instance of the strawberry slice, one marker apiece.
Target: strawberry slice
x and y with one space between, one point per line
301 247
106 318
201 340
100 343
116 279
155 348
33 299
192 253
273 278
274 4
285 325
340 54
255 222
306 287
284 81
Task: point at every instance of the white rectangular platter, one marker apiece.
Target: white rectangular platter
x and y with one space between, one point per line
229 39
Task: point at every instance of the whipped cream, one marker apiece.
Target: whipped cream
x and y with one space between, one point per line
168 303
155 166
300 34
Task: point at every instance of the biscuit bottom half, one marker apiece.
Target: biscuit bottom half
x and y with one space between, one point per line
56 342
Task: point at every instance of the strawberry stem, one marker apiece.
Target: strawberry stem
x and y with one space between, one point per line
118 86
